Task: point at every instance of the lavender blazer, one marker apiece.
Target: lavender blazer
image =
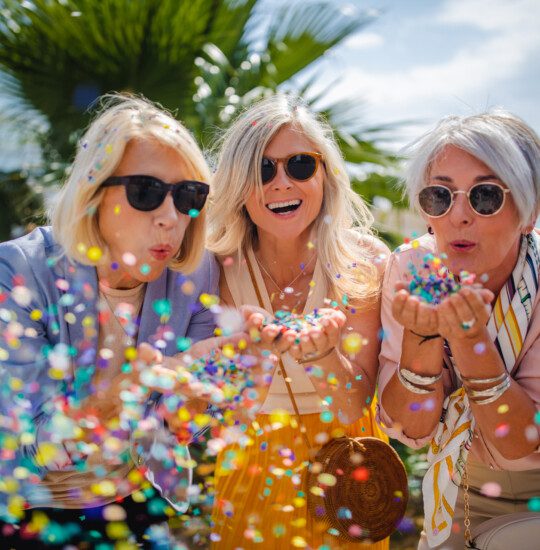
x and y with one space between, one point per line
49 304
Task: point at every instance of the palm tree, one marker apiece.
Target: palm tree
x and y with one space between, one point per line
203 58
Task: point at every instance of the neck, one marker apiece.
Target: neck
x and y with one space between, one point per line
116 278
285 259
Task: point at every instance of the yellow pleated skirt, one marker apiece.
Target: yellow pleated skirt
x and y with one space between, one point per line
260 487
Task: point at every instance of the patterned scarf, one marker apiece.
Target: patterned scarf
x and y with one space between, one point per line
449 448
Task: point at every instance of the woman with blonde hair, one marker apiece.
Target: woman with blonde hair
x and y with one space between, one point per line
83 438
293 237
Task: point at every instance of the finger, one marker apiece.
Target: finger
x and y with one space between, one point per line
398 304
306 344
476 302
463 311
255 320
320 340
487 295
332 331
401 285
149 354
423 315
449 317
409 312
248 310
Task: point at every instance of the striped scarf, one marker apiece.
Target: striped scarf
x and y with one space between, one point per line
449 448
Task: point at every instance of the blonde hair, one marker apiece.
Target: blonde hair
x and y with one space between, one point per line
122 118
344 220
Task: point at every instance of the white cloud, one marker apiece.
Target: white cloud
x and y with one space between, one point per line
364 41
502 38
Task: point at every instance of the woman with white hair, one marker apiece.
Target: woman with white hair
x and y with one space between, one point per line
81 432
461 370
293 237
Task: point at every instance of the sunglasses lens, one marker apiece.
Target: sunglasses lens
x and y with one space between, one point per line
435 200
268 170
486 198
145 193
301 167
189 196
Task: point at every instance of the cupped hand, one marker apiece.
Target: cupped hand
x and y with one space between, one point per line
464 314
417 316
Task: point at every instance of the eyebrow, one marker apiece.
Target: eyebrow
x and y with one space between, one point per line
478 179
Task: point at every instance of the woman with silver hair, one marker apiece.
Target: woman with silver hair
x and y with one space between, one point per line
460 368
293 237
84 441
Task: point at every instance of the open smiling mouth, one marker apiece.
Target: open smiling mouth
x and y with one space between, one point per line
284 207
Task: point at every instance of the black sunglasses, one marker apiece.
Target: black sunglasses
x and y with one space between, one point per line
486 199
299 166
148 193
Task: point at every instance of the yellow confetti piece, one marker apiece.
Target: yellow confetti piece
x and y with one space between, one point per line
108 148
56 374
138 496
415 244
280 417
46 453
299 502
202 419
228 351
117 209
242 344
21 473
10 485
81 248
208 300
135 477
27 438
183 414
502 409
327 479
88 321
117 530
104 488
39 521
4 355
94 254
16 384
317 491
130 354
36 314
16 506
299 542
352 343
310 245
311 284
300 522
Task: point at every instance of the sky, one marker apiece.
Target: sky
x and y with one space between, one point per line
420 60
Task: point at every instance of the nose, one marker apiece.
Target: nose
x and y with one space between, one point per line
461 213
166 215
281 179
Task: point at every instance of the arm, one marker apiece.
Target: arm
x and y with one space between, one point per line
504 423
410 417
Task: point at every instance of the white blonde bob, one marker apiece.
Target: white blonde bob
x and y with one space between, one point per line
122 118
500 140
344 221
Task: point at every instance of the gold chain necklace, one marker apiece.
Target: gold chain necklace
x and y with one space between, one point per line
285 289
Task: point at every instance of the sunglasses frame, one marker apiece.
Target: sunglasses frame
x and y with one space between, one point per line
468 194
114 181
285 161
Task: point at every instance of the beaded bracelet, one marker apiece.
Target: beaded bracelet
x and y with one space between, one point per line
411 387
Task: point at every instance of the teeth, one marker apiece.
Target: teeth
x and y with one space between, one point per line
274 205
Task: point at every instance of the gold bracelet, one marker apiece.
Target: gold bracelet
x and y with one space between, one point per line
315 358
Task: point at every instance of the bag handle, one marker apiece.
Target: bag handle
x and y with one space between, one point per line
303 430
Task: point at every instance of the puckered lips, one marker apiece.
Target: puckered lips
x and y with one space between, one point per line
161 251
462 245
284 209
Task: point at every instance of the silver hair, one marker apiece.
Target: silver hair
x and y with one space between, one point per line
500 140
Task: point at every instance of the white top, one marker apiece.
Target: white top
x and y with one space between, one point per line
243 293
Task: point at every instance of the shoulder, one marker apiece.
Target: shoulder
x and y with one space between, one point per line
30 252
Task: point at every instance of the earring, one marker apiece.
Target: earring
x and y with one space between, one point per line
430 229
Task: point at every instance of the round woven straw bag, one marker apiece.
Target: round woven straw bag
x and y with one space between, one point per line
365 495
